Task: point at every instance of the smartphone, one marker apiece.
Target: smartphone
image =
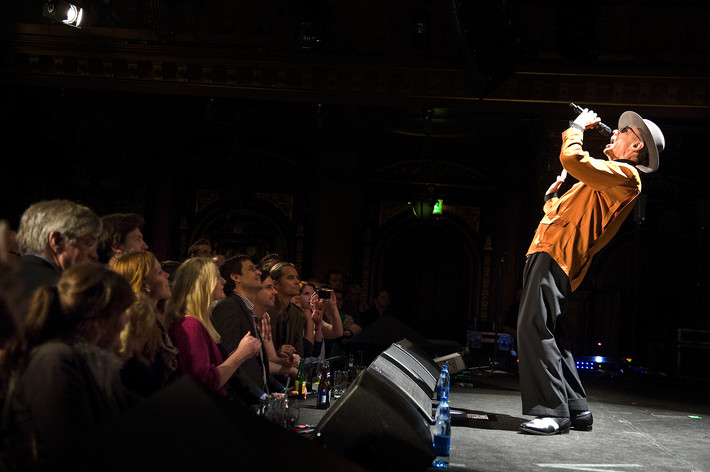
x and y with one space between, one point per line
324 294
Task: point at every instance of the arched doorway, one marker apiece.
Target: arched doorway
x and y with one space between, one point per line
432 270
257 227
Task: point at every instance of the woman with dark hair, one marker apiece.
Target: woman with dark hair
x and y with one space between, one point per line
62 365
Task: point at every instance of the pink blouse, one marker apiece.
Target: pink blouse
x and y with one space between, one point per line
198 354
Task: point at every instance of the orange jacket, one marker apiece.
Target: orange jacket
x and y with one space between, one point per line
580 223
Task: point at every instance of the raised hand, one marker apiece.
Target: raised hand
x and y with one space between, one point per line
286 350
587 119
558 183
248 347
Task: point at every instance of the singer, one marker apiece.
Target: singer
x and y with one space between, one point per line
574 228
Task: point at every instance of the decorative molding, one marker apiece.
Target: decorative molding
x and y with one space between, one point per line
431 172
281 201
470 215
391 208
371 53
205 197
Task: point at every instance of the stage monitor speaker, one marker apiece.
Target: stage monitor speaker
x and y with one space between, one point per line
373 424
402 380
422 368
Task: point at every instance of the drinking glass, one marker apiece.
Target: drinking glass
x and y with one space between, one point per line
340 381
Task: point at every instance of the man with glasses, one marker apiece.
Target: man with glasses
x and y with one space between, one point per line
574 228
54 235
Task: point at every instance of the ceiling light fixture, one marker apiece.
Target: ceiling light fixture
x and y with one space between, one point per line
63 12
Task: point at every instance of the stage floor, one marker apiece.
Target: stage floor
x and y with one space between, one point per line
640 424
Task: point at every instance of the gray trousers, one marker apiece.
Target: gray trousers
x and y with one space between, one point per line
549 382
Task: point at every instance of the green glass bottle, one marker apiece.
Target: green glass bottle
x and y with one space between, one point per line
300 383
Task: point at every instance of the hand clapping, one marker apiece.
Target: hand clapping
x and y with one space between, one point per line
249 346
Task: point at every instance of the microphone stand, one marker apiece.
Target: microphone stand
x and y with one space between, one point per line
496 323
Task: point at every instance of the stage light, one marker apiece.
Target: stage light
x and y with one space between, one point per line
601 365
62 12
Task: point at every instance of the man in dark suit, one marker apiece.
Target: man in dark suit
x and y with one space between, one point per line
53 235
233 317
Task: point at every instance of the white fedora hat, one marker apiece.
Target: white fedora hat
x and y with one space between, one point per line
651 133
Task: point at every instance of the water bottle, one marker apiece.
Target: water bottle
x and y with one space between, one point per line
442 433
442 386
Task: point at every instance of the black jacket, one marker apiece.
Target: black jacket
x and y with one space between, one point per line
232 320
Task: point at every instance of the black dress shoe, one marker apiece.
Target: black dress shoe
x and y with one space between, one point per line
547 425
581 420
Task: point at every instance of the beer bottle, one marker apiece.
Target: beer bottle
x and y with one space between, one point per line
300 382
360 366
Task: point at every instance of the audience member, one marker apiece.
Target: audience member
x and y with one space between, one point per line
12 303
287 319
63 368
9 247
203 248
169 267
353 303
268 261
53 235
197 284
121 233
233 317
200 248
380 305
350 327
144 273
326 320
335 279
12 307
313 328
150 356
286 366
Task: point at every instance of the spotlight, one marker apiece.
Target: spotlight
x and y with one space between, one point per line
63 12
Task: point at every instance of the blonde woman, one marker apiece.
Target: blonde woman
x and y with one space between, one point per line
197 284
150 356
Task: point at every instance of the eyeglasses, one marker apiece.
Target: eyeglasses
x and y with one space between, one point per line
629 128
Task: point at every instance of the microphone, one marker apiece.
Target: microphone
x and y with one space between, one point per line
600 127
